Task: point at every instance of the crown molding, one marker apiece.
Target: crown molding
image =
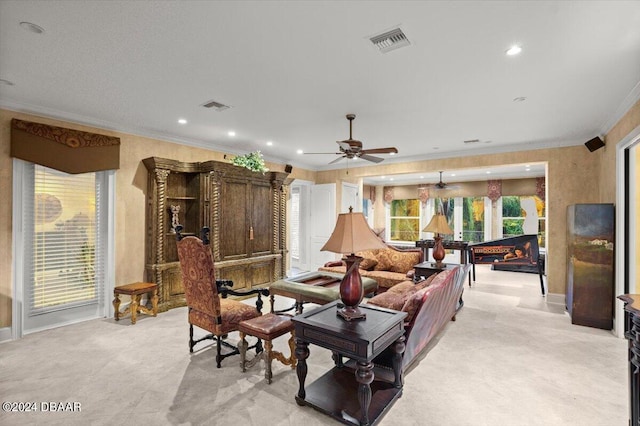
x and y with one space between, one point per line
628 102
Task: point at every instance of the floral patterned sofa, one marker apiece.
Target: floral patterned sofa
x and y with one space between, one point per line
388 266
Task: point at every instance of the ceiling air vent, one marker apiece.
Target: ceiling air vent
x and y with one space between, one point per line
472 141
216 105
390 40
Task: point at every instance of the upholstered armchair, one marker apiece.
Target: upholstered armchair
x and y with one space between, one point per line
207 302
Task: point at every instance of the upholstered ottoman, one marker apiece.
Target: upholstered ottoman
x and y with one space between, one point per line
266 327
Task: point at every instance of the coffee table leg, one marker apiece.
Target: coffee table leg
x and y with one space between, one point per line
302 353
364 376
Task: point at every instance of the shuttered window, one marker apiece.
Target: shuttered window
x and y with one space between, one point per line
63 248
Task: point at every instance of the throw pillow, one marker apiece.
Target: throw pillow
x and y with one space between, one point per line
402 287
388 300
384 262
410 286
368 264
403 261
413 303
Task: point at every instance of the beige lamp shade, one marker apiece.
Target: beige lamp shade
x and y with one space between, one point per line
351 234
438 225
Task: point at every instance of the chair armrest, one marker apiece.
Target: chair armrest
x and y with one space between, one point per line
333 263
225 291
411 274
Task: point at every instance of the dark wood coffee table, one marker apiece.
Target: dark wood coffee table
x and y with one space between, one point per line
351 397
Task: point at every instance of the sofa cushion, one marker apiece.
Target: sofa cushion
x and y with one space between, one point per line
413 303
368 264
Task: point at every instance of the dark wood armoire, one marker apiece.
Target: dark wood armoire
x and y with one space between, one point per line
245 211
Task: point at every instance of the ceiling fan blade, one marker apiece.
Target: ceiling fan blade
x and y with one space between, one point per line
337 159
325 153
371 158
380 151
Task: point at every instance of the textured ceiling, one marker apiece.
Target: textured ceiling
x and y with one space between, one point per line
291 71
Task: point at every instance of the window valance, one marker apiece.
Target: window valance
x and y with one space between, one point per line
67 150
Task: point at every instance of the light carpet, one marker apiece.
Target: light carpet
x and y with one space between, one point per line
509 359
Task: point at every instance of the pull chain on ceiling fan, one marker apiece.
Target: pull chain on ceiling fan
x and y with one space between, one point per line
352 148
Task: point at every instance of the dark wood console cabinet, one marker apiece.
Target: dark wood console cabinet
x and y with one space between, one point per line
632 333
245 211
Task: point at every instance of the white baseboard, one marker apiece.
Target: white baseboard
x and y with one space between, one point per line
5 334
556 298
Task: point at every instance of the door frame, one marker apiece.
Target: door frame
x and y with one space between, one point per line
626 232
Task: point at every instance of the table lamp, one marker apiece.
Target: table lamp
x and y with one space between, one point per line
352 234
438 225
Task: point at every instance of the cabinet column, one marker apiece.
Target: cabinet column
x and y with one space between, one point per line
216 182
161 189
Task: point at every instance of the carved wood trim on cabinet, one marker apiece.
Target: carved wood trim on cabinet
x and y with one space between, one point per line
248 234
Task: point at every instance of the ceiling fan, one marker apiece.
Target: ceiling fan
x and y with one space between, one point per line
351 148
443 185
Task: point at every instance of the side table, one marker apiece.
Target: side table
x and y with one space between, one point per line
426 269
351 397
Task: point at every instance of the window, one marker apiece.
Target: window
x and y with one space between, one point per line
524 215
473 219
64 244
295 223
405 220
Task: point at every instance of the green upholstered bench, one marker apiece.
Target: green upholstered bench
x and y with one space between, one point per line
314 287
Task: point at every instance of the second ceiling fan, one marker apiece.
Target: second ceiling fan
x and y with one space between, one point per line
351 148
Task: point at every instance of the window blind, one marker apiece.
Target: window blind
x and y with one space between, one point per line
65 261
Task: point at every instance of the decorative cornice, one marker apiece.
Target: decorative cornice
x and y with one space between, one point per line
68 137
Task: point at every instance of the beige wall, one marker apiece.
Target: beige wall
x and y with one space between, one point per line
574 176
131 187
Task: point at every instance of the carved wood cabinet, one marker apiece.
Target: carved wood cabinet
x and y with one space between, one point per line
245 211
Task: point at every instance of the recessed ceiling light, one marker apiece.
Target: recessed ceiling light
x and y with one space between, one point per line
421 177
514 50
520 99
488 172
382 177
391 179
231 133
182 121
392 153
4 82
300 151
452 174
32 27
269 143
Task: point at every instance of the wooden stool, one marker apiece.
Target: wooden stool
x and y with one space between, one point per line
266 327
135 290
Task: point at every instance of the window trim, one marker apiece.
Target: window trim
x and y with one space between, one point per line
18 246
